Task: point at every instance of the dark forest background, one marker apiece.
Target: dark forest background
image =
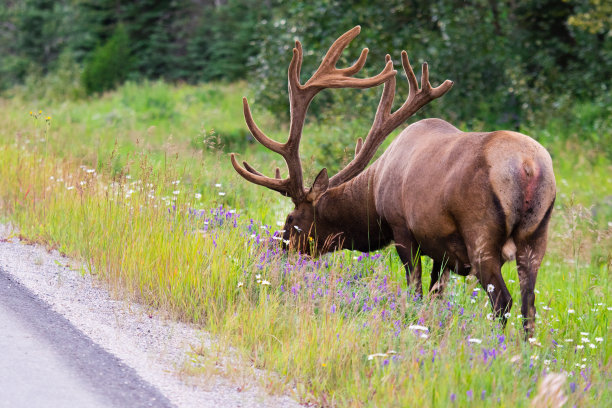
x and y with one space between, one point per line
512 62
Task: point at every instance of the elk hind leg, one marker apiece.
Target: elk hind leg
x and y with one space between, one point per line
528 260
486 263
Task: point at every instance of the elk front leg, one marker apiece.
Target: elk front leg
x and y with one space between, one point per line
408 251
439 278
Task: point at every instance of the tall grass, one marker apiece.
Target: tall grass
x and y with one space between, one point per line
164 220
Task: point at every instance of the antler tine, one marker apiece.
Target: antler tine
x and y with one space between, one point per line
295 67
257 133
254 176
412 81
333 54
358 146
356 67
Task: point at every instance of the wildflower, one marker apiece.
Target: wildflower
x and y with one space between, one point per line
490 316
571 311
372 356
90 171
507 315
265 282
546 308
536 291
569 340
584 340
221 193
176 192
453 397
532 340
469 394
218 185
48 118
279 223
198 196
475 341
511 280
599 339
580 347
69 187
490 288
584 333
591 345
176 182
417 327
240 284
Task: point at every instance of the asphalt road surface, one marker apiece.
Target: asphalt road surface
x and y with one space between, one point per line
46 362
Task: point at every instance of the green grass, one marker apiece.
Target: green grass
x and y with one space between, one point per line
131 185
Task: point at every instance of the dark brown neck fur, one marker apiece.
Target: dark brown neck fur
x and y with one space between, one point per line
348 213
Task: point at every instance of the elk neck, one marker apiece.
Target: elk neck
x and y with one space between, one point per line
347 214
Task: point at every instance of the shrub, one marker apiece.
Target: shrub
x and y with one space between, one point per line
108 65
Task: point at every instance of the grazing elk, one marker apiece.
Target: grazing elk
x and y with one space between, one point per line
470 201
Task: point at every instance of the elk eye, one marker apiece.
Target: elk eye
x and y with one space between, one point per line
289 219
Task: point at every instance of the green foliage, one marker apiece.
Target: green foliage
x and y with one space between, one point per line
510 62
109 64
595 16
513 63
226 40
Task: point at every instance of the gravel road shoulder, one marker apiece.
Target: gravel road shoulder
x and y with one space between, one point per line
156 348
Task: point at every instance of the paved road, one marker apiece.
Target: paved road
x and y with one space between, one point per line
47 362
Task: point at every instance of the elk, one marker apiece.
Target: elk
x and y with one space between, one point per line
468 200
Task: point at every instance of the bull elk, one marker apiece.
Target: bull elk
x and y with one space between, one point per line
468 200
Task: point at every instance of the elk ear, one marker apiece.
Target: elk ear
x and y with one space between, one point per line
319 186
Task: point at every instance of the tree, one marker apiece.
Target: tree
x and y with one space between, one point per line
109 64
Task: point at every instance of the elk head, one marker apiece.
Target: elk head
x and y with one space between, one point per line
301 227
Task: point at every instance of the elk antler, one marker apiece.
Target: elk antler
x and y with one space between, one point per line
386 122
300 96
